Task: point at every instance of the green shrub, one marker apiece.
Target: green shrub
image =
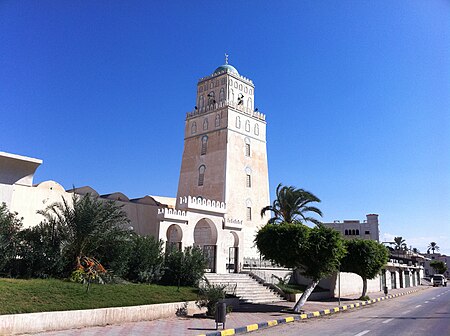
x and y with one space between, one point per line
183 268
146 260
209 295
10 225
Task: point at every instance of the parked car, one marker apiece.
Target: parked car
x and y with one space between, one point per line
439 280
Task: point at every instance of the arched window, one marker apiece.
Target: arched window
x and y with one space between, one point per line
247 126
248 177
346 232
205 124
201 175
201 102
250 103
353 232
240 87
357 232
256 129
222 95
217 122
211 98
204 145
231 96
238 122
250 91
194 128
249 209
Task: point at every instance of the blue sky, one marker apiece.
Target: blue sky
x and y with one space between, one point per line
356 93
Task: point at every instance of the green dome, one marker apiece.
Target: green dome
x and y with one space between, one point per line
227 68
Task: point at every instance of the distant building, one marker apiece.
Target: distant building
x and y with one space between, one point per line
436 256
366 229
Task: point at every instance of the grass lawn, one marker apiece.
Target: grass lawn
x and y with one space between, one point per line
38 295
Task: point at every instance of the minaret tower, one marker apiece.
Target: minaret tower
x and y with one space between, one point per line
225 155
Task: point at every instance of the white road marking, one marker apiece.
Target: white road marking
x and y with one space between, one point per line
362 333
427 301
418 306
433 298
406 312
387 321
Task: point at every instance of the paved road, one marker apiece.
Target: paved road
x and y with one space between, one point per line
423 313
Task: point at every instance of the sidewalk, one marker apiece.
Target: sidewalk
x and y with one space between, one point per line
243 316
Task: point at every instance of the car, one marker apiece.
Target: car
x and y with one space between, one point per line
439 280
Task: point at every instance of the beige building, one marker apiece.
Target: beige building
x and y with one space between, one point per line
365 229
223 181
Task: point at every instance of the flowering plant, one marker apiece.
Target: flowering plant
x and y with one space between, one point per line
88 270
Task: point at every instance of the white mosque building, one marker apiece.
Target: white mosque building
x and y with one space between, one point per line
223 181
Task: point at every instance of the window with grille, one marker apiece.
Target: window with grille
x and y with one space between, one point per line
249 213
248 180
201 175
204 145
247 149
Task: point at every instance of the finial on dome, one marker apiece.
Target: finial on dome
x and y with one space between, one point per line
226 58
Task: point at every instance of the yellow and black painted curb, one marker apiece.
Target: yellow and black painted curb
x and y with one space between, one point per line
299 317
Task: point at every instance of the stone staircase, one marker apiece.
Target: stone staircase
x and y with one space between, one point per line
245 287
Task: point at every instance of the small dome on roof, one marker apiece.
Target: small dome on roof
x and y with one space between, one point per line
227 68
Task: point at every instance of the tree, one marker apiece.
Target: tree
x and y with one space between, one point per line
433 246
292 206
439 266
315 252
90 227
399 243
415 250
10 226
365 258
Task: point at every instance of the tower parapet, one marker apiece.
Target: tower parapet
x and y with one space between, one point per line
202 204
172 214
212 107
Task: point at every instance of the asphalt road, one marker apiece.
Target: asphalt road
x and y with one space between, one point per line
424 313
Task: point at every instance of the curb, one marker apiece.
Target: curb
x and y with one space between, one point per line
299 317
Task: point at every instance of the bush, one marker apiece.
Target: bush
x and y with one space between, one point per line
184 268
209 295
40 253
146 260
10 226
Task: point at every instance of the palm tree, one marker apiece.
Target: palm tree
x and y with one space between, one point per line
292 206
400 244
433 246
87 226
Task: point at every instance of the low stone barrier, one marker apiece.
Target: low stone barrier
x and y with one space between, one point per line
37 322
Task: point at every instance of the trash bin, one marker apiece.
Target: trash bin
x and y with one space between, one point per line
385 290
221 314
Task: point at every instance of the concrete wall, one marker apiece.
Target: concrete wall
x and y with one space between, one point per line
39 322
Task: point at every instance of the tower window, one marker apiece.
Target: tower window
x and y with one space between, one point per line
205 124
249 213
194 128
204 145
217 120
256 129
346 232
247 149
211 98
238 122
201 175
222 94
247 126
248 181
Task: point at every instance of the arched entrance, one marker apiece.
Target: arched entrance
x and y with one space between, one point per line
233 253
174 237
205 237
